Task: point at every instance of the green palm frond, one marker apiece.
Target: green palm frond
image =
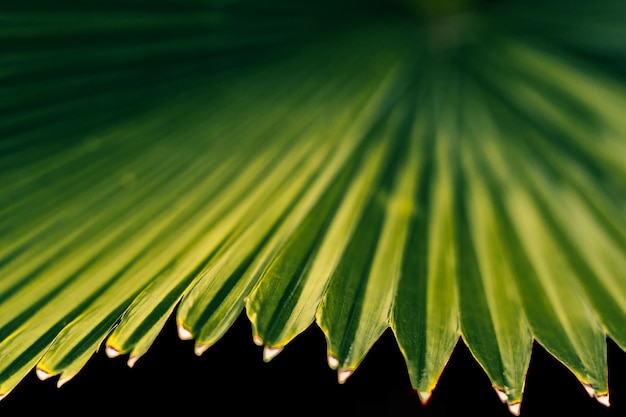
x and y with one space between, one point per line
447 170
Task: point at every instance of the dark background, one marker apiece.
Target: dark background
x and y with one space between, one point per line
231 378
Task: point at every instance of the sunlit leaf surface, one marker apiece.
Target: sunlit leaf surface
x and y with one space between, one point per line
448 170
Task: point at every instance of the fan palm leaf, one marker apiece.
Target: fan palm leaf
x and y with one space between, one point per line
450 171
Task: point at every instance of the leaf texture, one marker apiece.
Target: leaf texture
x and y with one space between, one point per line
361 166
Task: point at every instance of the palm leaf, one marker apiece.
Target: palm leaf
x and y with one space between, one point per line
449 172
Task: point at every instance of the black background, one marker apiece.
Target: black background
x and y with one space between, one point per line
231 378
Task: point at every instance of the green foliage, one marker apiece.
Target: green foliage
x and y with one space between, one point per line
451 174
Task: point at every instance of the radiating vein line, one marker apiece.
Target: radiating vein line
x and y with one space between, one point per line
299 312
356 306
506 361
425 312
564 302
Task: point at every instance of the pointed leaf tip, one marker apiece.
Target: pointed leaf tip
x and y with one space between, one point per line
501 394
333 362
132 360
42 375
343 375
63 380
424 396
257 340
604 400
111 352
200 349
589 389
515 408
270 353
184 333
